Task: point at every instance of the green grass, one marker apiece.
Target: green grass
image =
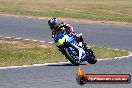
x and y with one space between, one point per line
104 10
104 53
17 53
27 53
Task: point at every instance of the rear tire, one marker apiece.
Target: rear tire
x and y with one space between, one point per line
92 60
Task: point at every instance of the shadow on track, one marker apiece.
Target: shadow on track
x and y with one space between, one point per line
66 64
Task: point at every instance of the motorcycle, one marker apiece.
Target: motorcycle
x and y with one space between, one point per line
74 50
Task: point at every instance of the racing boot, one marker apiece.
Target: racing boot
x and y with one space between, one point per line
81 40
85 45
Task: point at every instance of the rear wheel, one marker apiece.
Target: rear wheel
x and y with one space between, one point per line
72 55
91 58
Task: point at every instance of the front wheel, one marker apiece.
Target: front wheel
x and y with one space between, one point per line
72 55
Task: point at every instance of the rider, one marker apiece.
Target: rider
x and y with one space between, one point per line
57 28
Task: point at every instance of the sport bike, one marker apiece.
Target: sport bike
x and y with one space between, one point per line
74 50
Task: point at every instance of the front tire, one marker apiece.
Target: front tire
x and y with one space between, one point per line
71 58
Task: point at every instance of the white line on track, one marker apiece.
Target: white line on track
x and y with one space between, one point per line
42 41
51 42
130 55
35 40
8 37
18 38
34 65
27 39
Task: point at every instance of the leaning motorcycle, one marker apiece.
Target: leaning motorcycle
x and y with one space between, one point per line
74 50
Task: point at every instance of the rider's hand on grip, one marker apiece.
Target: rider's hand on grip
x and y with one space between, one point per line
53 36
72 34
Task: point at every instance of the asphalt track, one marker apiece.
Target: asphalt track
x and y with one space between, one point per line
63 75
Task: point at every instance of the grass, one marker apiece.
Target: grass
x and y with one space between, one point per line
104 10
21 52
14 52
104 53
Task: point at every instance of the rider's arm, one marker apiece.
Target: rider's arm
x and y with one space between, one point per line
53 34
68 27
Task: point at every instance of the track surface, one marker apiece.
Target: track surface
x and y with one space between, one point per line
63 75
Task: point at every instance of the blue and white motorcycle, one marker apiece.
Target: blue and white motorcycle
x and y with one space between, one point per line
74 50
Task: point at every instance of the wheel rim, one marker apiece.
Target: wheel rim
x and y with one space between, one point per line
73 53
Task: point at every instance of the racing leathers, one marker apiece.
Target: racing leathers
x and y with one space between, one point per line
59 29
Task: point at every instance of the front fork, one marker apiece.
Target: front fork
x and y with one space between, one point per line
81 51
